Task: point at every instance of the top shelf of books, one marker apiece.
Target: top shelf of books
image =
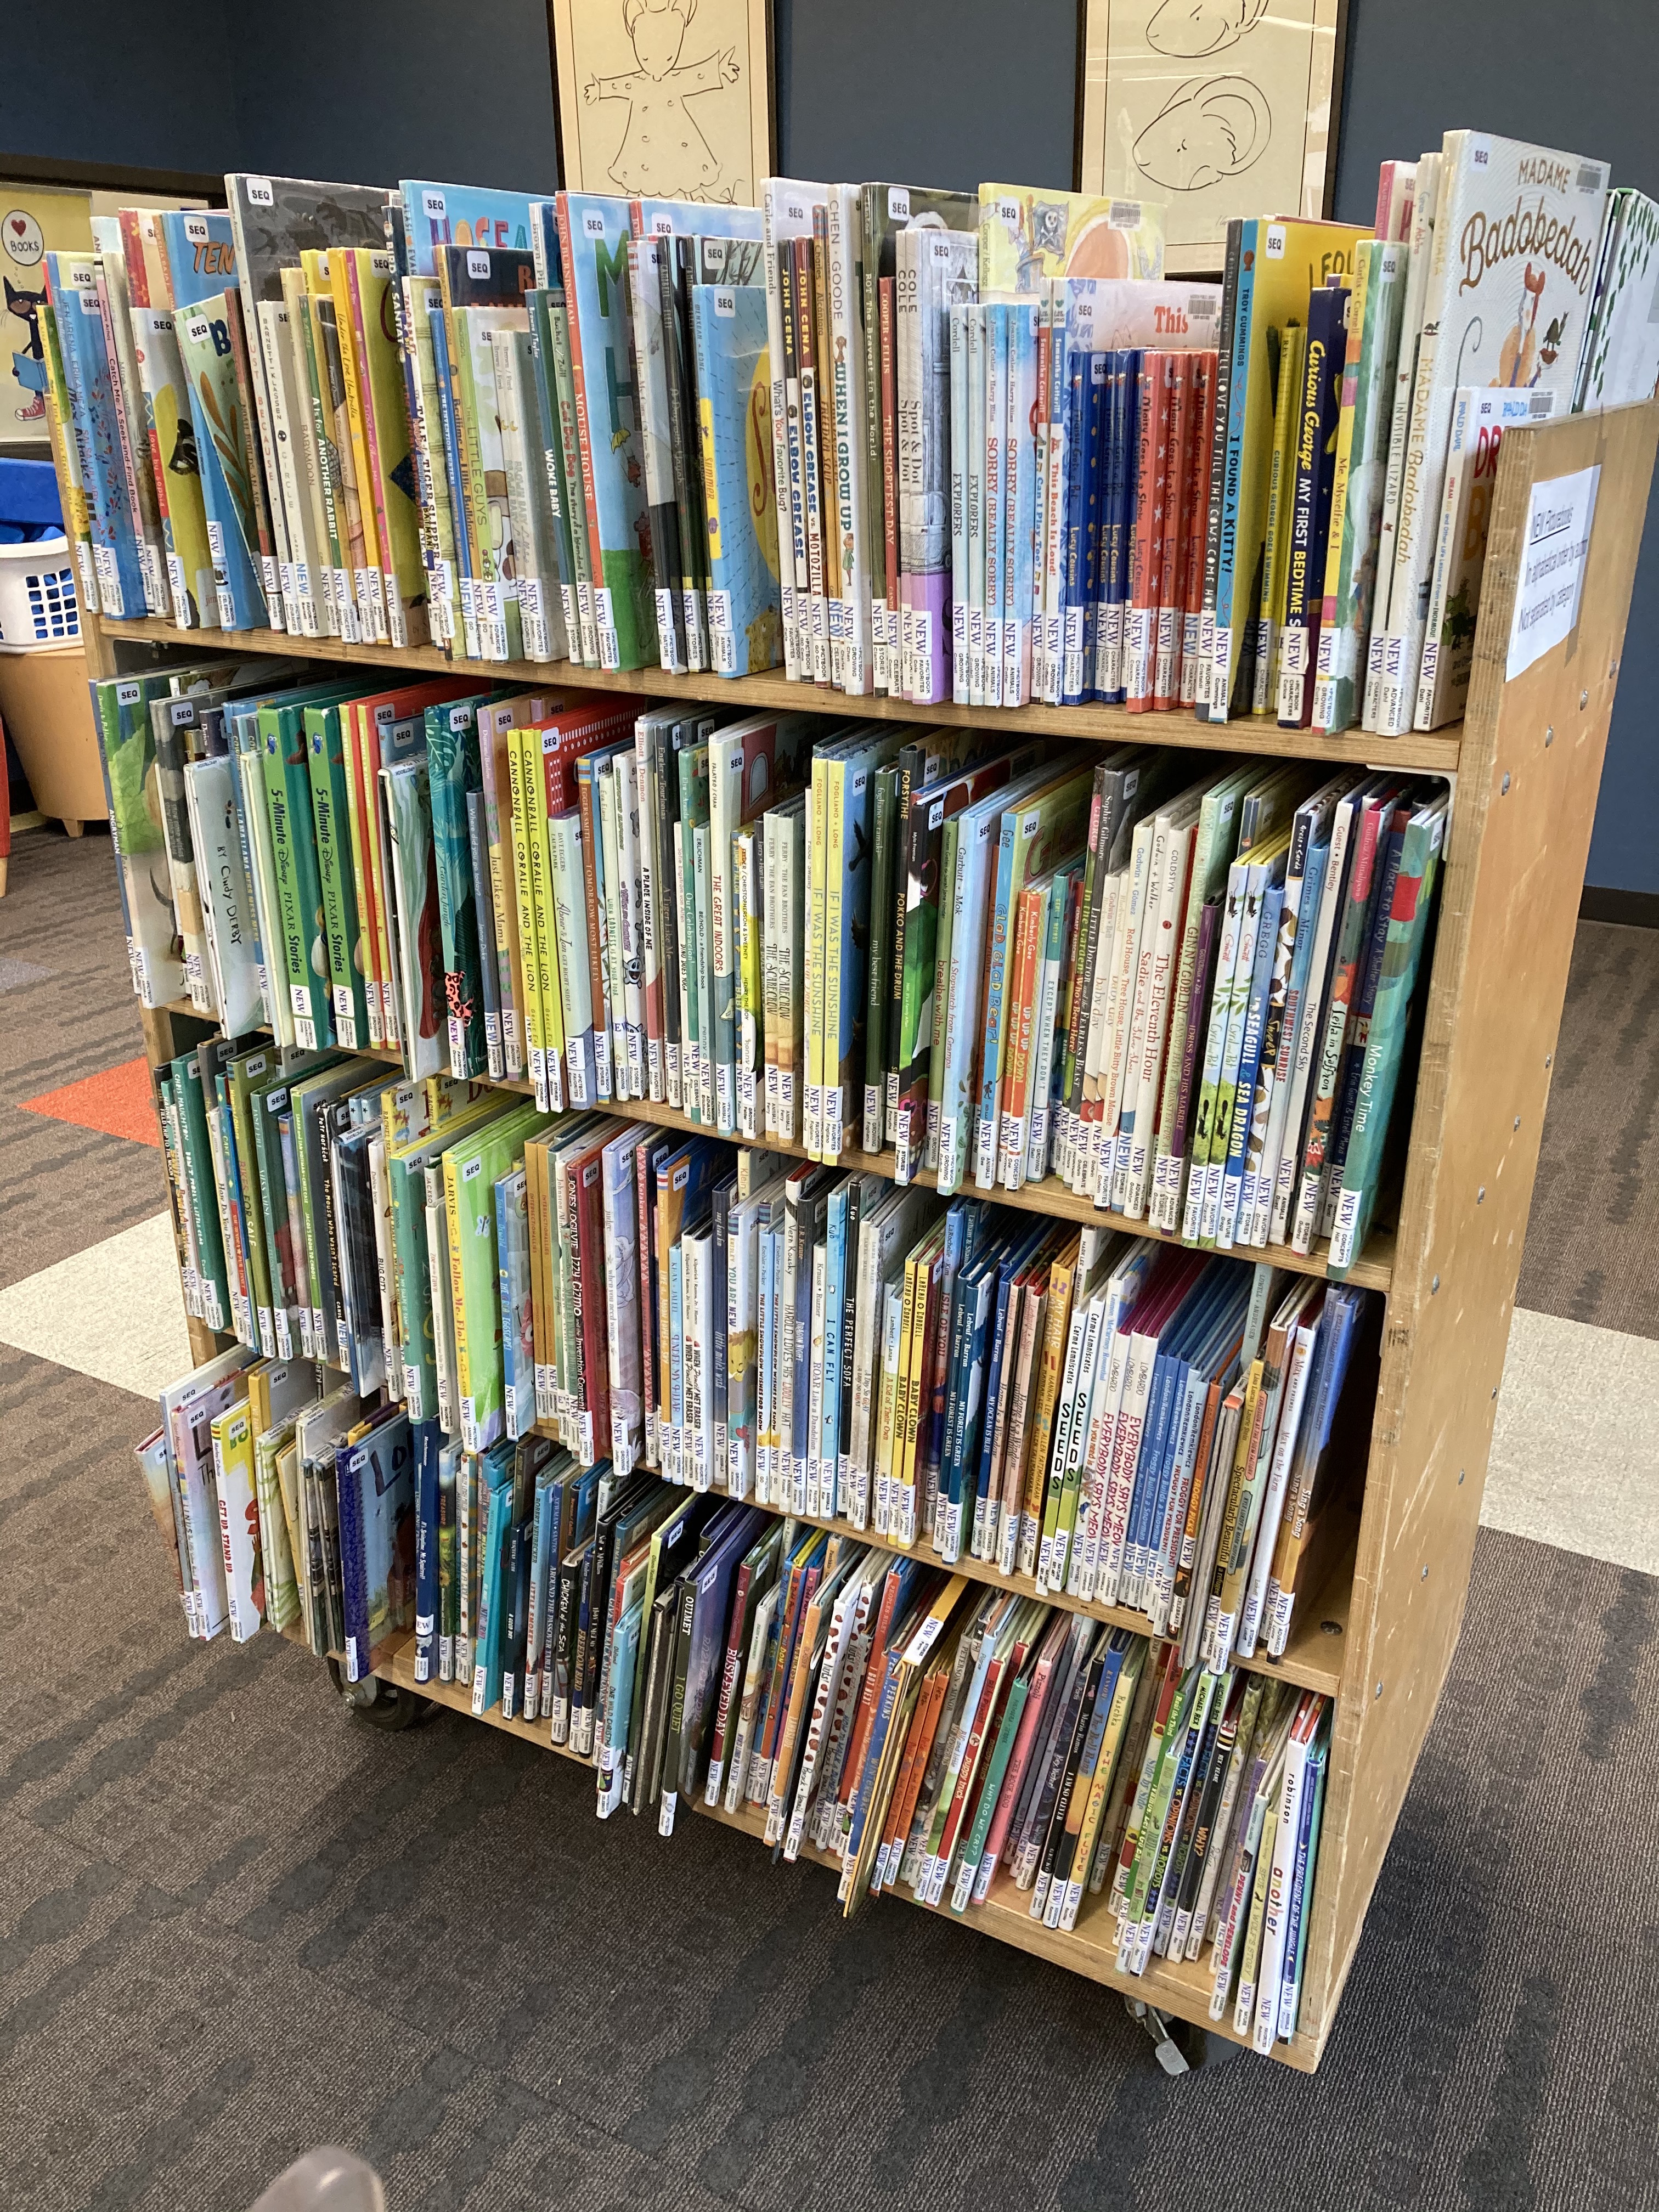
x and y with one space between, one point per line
1436 753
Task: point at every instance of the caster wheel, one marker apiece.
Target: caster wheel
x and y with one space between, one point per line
382 1705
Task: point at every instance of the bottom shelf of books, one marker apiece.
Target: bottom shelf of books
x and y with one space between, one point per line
1204 1962
1082 1698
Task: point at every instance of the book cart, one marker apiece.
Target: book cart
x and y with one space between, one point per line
1525 767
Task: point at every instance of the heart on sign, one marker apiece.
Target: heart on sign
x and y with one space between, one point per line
19 224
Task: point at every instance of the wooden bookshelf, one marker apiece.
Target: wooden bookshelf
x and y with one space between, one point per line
1371 1271
1439 753
1527 764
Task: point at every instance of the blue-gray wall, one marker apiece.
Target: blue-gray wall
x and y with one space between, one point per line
933 90
1582 78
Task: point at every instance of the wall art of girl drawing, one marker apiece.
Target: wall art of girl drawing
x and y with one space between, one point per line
664 155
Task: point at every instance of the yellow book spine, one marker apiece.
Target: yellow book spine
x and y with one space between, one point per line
1230 1571
1111 1745
457 1286
523 756
1057 1320
503 884
541 900
905 1496
351 363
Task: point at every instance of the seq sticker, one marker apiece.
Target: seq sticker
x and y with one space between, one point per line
898 204
593 224
477 264
1275 241
259 192
726 303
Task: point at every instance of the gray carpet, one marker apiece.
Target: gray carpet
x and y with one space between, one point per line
236 1922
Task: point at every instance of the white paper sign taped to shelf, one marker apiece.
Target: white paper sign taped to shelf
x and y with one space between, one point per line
1552 566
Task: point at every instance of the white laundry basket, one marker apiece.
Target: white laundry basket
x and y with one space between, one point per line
39 603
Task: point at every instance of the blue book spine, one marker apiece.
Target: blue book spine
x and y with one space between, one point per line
1097 453
1307 1856
350 1463
460 215
444 378
487 1639
948 1525
801 1442
1148 1468
1226 572
1074 524
983 1547
427 1441
985 1120
1249 1061
834 1289
1170 1462
976 1400
93 428
1101 672
1125 464
504 1225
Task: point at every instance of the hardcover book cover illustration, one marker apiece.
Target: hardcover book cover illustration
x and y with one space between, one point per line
734 384
595 232
201 269
460 215
1026 234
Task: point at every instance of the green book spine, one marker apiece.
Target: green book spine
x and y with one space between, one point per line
452 763
326 761
294 867
203 1200
1385 1041
273 1214
244 1074
471 1170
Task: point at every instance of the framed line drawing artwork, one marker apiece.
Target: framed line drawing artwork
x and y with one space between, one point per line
1216 107
664 98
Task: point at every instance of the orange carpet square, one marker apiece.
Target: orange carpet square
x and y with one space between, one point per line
119 1102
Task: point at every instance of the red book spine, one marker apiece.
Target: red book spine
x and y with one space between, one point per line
1166 678
647 1308
1195 531
595 1412
579 388
1146 544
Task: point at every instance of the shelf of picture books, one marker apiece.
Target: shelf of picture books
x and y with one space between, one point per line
892 441
798 1199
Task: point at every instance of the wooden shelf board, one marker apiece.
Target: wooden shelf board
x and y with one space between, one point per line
1439 753
1089 1950
1372 1271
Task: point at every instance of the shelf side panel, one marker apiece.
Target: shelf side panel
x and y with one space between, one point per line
1520 836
